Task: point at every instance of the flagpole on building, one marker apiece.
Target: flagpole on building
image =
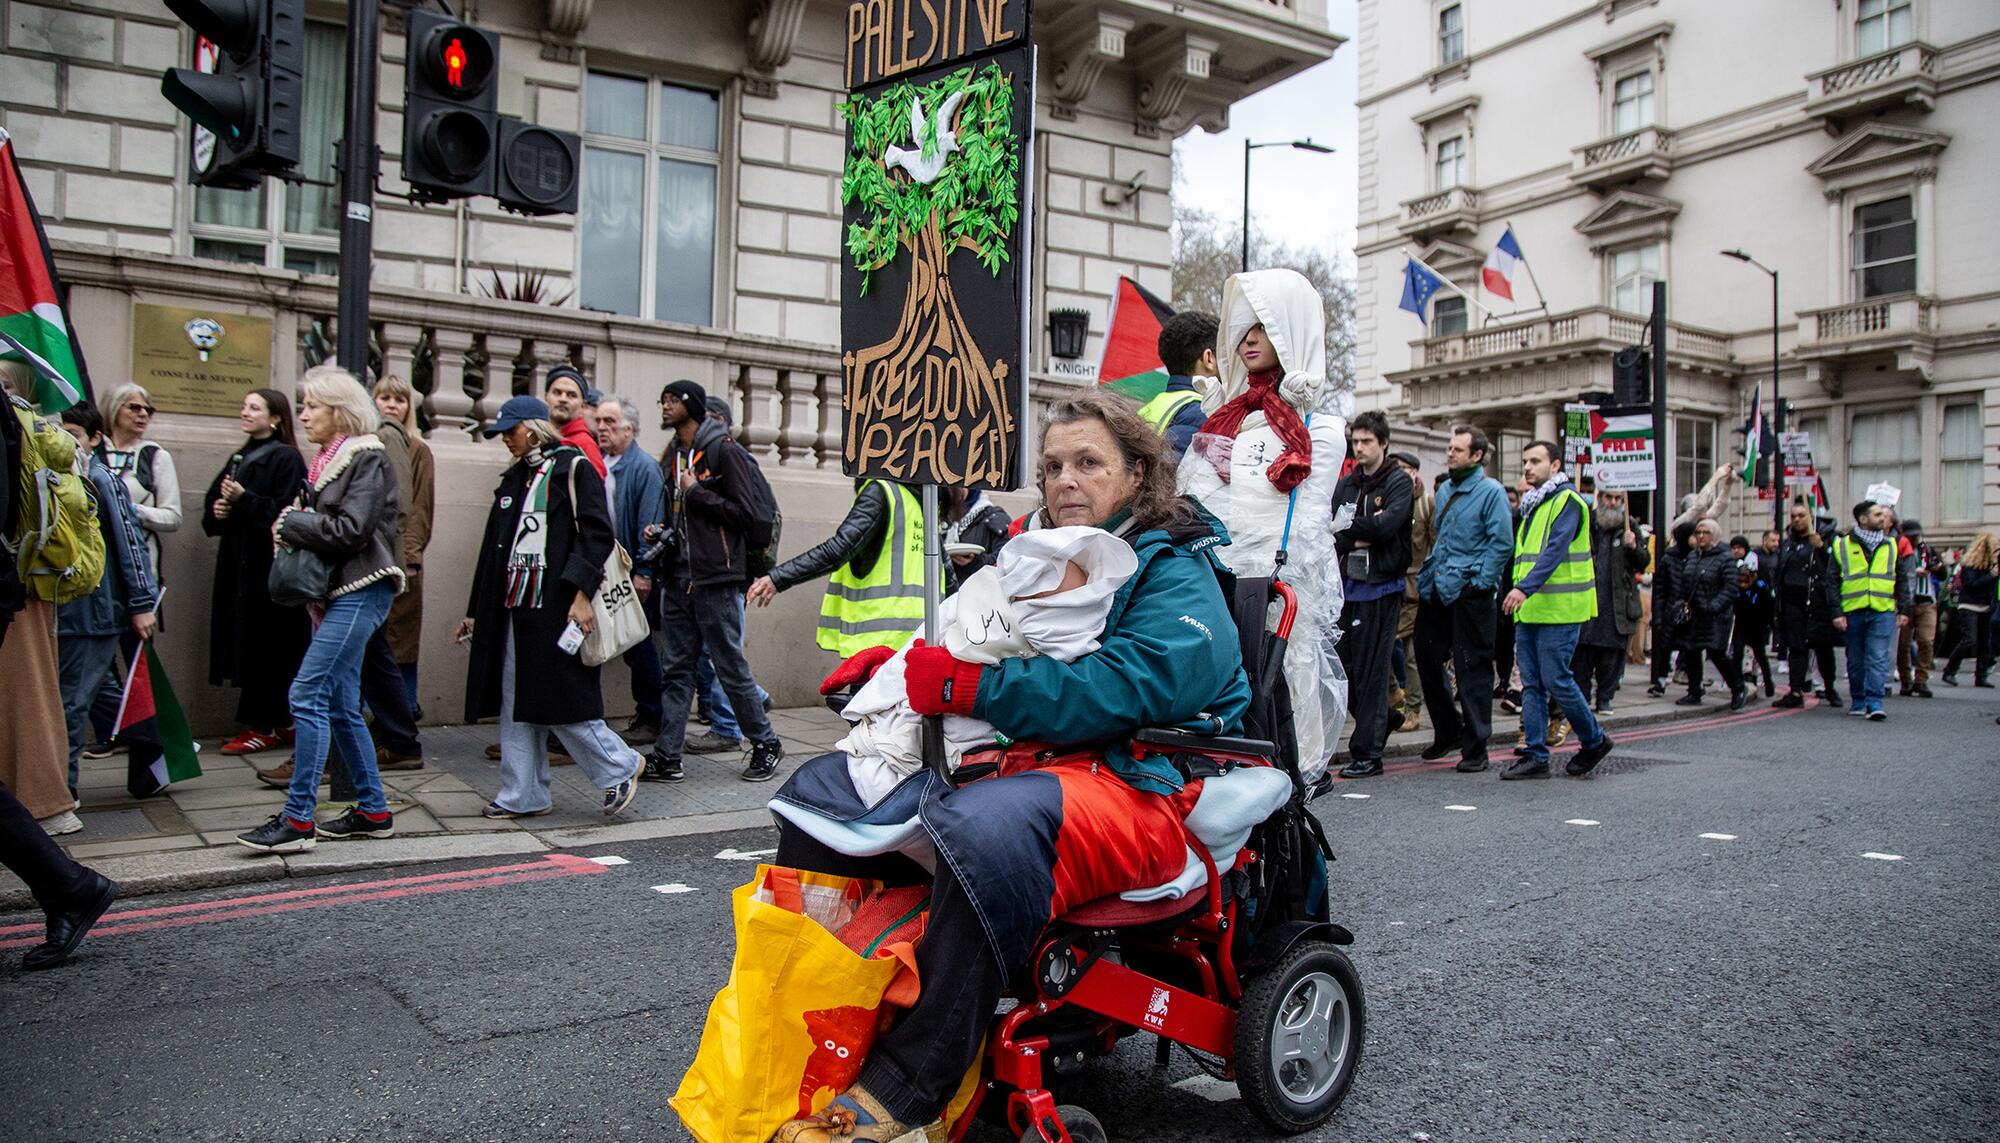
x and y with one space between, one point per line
1447 283
1540 300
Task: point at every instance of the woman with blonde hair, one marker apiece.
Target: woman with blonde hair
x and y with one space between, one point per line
349 516
416 479
1971 623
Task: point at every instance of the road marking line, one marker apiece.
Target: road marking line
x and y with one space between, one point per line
1462 809
1883 856
674 887
745 854
1582 822
1357 797
1210 1088
609 860
1719 836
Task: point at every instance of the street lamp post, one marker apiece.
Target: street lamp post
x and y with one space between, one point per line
1777 400
1248 146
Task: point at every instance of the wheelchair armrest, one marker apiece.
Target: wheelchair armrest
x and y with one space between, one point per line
1167 740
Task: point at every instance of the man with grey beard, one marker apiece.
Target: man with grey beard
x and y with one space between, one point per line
1618 554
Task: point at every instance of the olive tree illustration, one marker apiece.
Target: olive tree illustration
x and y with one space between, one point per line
933 171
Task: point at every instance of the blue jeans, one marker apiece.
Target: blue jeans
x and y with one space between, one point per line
525 782
1871 644
326 701
1543 652
85 659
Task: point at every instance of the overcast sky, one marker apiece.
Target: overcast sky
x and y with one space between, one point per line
1308 198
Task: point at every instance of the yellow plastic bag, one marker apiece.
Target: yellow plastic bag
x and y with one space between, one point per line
790 1029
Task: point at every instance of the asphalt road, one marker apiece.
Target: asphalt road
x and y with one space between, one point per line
1528 976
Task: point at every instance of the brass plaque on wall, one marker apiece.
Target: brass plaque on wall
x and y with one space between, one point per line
199 360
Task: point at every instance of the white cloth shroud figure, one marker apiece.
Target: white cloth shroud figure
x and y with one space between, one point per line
1016 609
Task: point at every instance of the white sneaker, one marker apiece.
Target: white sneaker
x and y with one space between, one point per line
62 823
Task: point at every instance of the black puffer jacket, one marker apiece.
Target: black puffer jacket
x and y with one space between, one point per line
1382 506
1706 582
353 516
856 542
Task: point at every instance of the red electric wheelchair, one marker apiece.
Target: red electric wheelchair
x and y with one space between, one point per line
1245 973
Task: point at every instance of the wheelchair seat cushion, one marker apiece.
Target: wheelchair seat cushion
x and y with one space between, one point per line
1230 806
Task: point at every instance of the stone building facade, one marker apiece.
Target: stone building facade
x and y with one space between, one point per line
707 245
1846 143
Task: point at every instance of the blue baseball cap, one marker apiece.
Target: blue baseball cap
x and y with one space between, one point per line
516 410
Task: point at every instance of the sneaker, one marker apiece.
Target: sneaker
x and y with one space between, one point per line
1586 759
1830 696
1922 691
618 797
1857 709
704 716
66 822
641 730
1525 768
1510 706
661 769
1877 714
709 742
1473 764
354 823
279 835
1604 711
1655 690
1558 732
1792 701
1902 691
500 813
1438 749
254 742
765 758
1688 700
110 746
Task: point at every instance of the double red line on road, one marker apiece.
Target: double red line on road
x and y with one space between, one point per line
548 867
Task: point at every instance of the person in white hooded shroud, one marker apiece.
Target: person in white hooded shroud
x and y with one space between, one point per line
1048 593
1265 463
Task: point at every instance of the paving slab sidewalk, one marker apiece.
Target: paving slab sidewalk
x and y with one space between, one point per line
187 837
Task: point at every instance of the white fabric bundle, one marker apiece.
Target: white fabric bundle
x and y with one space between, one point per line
990 618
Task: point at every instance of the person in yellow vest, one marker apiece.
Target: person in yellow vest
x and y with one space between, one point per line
1555 594
1874 602
1187 349
875 568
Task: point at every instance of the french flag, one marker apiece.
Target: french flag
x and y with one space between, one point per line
1498 273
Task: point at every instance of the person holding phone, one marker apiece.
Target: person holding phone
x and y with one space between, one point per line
1374 556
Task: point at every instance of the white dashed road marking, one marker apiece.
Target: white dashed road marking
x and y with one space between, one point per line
1210 1088
1462 809
1583 822
1357 797
745 854
610 861
1883 856
1719 836
675 887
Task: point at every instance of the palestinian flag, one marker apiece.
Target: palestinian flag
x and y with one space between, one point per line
1753 438
154 728
1131 364
32 320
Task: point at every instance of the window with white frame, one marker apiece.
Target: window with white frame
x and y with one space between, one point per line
1450 162
1451 34
278 223
1883 447
1960 494
1883 24
651 175
1632 102
1629 277
1447 316
1694 454
1885 248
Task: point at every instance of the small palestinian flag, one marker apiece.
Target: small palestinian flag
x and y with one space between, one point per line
1131 363
154 728
33 326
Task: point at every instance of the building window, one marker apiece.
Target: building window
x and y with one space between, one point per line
1447 317
1882 24
1451 162
651 169
278 223
1960 495
1451 34
1631 273
1885 248
1883 447
1694 454
1632 103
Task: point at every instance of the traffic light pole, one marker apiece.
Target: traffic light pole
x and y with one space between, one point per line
358 162
1660 513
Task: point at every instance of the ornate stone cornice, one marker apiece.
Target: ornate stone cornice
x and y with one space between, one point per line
1170 65
773 33
1081 54
569 17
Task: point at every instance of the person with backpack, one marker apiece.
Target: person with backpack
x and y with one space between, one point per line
713 525
711 705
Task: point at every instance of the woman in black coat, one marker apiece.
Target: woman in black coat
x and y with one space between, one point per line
1667 633
1705 588
540 562
253 642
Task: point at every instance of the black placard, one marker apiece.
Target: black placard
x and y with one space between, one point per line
933 278
892 39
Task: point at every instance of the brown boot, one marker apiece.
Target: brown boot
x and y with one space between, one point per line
855 1115
387 759
279 777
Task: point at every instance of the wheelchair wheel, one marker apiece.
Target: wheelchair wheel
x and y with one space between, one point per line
1298 1037
1082 1126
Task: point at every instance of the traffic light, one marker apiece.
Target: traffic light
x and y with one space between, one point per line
1632 376
246 89
538 169
450 99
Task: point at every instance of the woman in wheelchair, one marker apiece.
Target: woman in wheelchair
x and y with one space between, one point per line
1018 850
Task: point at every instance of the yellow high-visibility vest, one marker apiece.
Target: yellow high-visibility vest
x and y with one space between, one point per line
1569 595
1867 584
886 606
1161 410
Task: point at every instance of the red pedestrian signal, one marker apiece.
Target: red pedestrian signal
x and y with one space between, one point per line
450 108
454 63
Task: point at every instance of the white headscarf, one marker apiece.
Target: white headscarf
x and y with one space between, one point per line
1294 319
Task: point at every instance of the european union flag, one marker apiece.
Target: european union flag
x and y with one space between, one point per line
1418 286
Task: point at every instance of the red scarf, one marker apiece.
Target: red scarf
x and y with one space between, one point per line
323 458
1295 463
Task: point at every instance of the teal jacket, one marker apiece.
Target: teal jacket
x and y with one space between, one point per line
1169 653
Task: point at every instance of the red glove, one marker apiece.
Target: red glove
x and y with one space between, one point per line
857 670
939 683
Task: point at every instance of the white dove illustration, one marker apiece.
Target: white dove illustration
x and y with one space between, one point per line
919 166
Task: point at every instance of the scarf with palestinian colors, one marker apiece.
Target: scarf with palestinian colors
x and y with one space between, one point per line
1547 488
527 557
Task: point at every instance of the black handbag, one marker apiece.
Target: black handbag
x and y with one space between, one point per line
299 576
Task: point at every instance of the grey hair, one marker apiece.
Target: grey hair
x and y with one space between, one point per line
114 399
337 391
627 412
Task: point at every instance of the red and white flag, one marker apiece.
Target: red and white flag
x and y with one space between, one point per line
1497 276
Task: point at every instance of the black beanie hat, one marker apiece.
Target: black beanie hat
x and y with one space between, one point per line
693 396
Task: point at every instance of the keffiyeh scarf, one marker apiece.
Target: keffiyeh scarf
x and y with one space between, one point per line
1549 487
527 558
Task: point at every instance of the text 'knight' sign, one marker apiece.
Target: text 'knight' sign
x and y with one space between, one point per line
934 286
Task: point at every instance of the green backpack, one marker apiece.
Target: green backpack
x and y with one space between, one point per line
60 550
